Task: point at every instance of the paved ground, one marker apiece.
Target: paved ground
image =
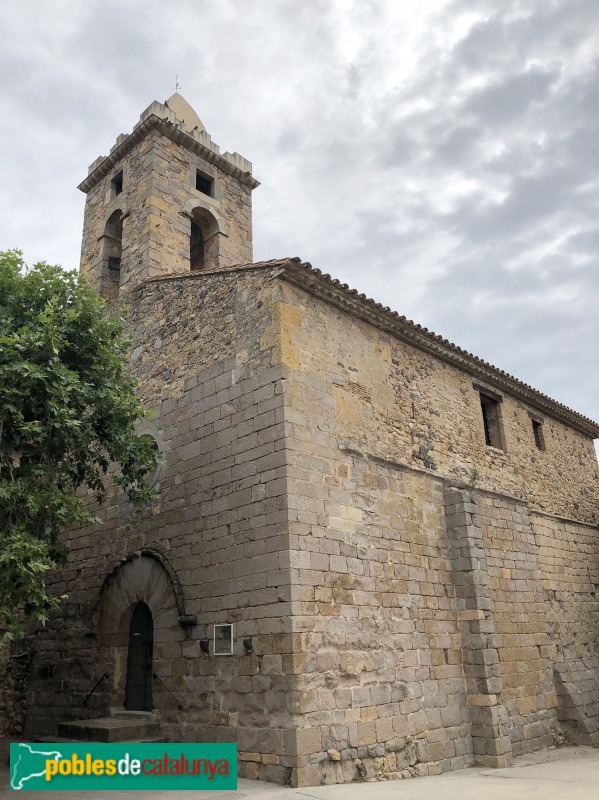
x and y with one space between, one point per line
571 773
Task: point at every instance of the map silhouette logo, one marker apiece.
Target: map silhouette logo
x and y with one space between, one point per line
28 763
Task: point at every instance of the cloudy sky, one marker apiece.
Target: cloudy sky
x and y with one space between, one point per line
439 155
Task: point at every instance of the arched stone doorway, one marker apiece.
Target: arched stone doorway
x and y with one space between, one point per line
138 686
141 623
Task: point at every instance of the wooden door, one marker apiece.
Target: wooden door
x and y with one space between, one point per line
138 690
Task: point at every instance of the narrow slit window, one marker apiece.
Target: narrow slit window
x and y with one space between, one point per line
537 430
117 184
204 184
491 421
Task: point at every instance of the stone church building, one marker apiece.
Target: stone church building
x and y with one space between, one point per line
371 553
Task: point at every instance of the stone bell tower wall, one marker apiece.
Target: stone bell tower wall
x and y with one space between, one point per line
101 204
144 199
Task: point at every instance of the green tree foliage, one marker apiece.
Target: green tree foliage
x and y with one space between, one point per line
68 411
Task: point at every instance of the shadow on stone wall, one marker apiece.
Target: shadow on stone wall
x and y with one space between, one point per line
15 667
577 687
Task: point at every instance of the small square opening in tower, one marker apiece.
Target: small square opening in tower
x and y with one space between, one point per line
204 183
116 184
537 430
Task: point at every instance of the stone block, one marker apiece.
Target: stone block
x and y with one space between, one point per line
481 700
308 775
302 741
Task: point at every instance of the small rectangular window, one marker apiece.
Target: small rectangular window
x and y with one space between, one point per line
223 640
537 430
491 421
117 184
204 184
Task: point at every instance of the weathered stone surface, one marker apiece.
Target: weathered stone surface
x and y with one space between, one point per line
395 613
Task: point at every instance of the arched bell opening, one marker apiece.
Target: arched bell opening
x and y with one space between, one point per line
204 236
196 248
111 251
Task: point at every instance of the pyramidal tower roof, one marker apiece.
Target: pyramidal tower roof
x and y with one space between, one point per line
183 111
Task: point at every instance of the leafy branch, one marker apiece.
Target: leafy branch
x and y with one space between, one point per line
68 411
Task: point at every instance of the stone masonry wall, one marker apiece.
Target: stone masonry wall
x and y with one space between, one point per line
15 667
181 325
380 687
569 570
220 521
403 405
520 613
569 573
359 404
480 643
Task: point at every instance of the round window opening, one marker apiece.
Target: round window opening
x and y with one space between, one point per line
153 475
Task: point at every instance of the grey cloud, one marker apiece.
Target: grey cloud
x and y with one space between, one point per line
531 199
456 144
510 98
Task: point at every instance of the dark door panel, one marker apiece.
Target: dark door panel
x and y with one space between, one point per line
138 690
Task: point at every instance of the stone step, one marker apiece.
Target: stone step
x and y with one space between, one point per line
111 729
122 713
59 739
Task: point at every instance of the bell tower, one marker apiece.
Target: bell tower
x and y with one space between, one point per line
165 201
